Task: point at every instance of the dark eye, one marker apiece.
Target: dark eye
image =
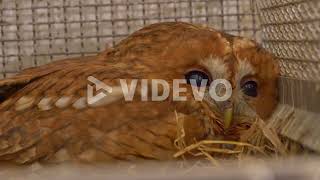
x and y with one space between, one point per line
250 88
197 77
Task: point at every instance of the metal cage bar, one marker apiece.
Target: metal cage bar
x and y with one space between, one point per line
36 32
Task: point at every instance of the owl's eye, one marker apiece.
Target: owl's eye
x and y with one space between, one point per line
197 77
250 88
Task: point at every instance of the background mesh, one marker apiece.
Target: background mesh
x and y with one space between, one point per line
35 32
291 30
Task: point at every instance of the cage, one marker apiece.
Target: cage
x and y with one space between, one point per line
36 32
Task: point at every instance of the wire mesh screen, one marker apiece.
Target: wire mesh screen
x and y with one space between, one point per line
291 31
36 32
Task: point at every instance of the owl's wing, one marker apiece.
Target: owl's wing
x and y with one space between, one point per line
49 118
9 86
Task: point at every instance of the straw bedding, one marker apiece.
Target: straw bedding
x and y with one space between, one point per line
257 140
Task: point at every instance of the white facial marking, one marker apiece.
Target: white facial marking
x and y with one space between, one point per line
216 67
115 95
63 102
45 104
80 103
244 69
24 103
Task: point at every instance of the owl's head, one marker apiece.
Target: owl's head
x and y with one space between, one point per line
252 73
182 50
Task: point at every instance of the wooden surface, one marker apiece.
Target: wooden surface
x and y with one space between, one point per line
289 169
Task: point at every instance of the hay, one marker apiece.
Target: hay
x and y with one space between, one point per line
259 140
204 145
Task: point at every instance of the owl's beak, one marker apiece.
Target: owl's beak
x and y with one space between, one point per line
228 115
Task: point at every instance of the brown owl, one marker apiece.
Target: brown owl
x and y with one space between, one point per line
45 114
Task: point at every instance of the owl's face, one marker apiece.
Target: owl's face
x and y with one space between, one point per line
252 73
184 51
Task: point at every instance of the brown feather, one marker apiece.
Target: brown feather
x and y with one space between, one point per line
119 130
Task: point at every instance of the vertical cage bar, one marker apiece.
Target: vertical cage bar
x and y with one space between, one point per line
65 27
253 6
222 14
18 37
128 16
175 11
50 31
81 28
34 42
2 24
97 25
190 10
207 11
144 13
159 12
238 16
112 22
